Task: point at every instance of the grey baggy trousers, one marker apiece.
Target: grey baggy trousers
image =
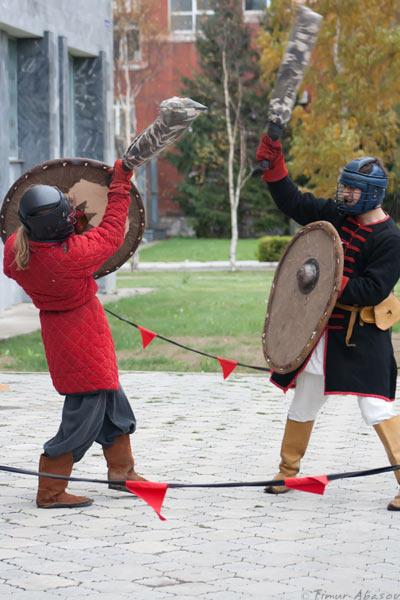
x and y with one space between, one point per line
99 417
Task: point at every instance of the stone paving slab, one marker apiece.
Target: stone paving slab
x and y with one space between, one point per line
217 544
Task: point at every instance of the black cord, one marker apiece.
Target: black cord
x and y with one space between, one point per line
186 347
273 482
239 364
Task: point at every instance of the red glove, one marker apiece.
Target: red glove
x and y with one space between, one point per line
120 179
272 151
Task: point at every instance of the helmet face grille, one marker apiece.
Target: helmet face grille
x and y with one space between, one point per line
356 203
369 189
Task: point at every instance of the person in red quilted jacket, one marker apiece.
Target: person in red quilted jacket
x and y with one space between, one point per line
55 267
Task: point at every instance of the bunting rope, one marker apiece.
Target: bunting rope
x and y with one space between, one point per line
227 365
275 482
153 493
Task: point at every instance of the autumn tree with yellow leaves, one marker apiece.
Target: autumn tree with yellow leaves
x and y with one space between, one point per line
354 85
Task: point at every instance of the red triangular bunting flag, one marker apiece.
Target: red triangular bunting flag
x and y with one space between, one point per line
227 366
151 492
147 335
315 485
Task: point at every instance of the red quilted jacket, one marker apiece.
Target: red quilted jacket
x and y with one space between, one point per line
59 278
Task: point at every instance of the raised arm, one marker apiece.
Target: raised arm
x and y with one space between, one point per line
89 251
303 208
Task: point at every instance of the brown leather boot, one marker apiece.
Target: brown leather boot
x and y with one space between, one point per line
120 462
389 434
51 492
294 445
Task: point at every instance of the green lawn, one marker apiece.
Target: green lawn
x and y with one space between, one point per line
218 313
181 249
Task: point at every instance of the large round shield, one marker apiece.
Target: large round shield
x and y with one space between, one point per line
85 183
304 291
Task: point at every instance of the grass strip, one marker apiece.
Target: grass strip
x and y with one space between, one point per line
197 249
220 313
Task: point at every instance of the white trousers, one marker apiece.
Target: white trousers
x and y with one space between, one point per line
309 398
309 395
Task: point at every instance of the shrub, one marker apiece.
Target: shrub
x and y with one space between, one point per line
271 247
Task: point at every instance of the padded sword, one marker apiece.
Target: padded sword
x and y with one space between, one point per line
175 116
295 60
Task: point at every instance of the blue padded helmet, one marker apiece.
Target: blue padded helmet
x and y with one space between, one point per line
373 185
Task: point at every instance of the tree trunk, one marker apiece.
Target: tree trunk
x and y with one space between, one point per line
232 131
135 262
127 107
234 239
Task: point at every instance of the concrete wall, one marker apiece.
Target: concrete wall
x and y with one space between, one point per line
56 41
87 25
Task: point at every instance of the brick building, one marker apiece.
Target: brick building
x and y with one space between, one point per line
178 22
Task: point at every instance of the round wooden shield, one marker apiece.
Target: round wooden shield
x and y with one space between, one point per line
84 182
303 293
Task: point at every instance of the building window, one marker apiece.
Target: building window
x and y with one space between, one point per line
13 98
255 5
127 45
186 15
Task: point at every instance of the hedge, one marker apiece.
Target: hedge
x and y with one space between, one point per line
271 247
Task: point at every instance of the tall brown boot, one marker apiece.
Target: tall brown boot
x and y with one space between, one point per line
120 462
294 445
51 492
389 434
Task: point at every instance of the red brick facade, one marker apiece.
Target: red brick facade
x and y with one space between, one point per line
178 58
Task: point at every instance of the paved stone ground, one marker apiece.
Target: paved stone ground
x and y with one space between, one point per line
217 544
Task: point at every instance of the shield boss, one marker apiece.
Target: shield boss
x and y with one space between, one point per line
84 182
303 293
